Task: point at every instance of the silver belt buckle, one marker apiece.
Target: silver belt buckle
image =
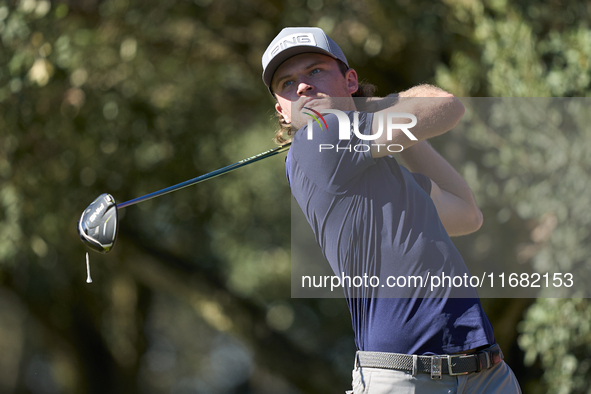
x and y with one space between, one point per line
449 365
436 367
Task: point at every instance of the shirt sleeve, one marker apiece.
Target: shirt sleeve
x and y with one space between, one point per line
423 180
329 162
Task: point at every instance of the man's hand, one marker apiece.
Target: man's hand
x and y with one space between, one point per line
436 111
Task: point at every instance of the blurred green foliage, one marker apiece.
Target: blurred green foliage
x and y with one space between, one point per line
128 97
535 49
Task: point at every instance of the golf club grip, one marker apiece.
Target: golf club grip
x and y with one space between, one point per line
213 174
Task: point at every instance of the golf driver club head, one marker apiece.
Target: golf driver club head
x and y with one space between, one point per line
97 226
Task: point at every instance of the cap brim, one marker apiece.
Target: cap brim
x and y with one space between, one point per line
286 54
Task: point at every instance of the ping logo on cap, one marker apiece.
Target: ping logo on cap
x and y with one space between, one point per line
292 40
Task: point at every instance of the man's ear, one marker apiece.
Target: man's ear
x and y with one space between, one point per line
279 109
352 80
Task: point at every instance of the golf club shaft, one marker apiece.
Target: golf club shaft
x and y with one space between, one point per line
213 174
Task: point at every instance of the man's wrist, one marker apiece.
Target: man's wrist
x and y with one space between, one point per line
375 104
424 90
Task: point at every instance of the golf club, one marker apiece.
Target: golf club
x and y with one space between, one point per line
97 226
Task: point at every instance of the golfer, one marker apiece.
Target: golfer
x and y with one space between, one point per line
373 216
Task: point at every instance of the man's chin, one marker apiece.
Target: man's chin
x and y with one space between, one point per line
319 103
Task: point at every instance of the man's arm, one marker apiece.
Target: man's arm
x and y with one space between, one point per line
436 111
450 193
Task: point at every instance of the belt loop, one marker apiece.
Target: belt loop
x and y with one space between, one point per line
356 362
415 367
436 367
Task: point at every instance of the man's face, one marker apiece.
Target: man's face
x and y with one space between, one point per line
311 80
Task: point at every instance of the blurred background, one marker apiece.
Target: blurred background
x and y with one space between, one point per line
129 96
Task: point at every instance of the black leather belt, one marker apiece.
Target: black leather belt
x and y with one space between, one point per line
451 364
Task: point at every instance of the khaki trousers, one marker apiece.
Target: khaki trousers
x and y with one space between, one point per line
498 379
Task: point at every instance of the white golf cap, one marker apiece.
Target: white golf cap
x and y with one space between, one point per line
292 41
